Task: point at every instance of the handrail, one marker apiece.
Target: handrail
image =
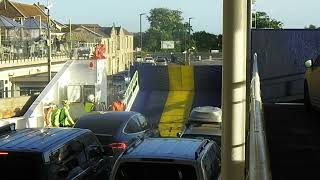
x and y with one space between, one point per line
259 165
132 88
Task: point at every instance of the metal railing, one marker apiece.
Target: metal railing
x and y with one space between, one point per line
259 165
131 91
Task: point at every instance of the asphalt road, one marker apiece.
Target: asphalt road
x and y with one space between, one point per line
293 136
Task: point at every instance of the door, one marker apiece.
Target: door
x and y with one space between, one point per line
314 88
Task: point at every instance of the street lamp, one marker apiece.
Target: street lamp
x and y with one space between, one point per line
189 40
141 34
49 43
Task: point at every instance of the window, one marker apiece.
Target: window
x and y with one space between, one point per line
133 125
143 122
67 161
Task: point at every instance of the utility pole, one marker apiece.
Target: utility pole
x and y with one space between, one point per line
70 35
49 46
141 34
189 42
234 107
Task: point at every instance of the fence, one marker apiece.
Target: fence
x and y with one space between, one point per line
259 165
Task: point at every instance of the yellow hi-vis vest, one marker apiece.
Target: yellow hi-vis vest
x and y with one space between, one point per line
88 107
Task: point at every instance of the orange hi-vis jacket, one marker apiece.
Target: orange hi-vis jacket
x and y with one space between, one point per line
118 106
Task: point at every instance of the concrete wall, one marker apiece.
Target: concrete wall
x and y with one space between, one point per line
12 107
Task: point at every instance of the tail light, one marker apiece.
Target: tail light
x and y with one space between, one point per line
118 146
3 153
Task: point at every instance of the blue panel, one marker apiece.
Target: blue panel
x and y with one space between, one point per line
281 56
208 86
150 104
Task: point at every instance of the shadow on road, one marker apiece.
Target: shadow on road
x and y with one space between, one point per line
294 141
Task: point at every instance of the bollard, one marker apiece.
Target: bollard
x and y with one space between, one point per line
199 58
210 58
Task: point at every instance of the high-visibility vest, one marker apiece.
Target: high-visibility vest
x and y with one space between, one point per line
65 118
118 106
88 107
55 117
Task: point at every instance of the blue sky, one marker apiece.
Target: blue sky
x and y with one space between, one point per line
207 14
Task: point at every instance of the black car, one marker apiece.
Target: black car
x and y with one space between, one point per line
169 158
117 130
203 131
204 123
51 154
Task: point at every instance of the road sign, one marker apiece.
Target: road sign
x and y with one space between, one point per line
167 44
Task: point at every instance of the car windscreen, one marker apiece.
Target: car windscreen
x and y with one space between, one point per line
161 60
155 171
13 165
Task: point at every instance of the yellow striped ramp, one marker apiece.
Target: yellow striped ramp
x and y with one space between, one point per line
179 100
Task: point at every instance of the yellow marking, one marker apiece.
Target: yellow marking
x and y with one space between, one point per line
179 101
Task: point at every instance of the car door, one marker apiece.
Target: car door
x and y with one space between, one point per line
314 88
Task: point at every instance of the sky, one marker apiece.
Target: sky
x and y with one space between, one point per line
206 14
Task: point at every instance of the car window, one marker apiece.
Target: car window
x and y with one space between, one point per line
67 161
143 122
133 125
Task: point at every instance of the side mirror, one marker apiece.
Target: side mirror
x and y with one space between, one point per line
179 134
308 63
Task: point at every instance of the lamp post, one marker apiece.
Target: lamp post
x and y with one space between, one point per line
49 45
189 41
141 14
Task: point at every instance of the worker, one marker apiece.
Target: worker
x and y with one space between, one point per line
48 115
65 118
55 117
89 105
119 104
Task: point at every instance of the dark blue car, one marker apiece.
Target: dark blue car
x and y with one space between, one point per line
117 130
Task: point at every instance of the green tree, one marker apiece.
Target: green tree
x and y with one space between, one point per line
262 20
165 25
205 41
311 26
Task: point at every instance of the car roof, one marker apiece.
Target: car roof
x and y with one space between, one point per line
208 129
166 148
38 139
97 121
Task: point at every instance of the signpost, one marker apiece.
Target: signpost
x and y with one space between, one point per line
167 44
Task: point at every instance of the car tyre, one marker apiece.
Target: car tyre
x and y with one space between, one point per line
307 103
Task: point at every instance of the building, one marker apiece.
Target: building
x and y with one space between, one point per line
118 42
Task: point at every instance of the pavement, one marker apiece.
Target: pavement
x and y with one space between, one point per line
293 138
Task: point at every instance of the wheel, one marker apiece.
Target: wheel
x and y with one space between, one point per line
307 103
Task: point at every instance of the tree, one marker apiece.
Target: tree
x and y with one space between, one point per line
264 21
311 26
206 41
165 25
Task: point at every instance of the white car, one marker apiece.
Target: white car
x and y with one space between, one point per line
149 60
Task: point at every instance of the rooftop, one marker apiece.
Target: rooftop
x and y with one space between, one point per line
36 139
166 148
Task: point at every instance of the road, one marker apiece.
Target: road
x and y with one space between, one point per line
293 138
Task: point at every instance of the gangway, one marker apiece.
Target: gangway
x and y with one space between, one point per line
74 82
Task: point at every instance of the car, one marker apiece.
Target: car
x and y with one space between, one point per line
117 130
149 59
204 131
205 115
139 59
51 153
169 158
312 84
161 61
204 123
